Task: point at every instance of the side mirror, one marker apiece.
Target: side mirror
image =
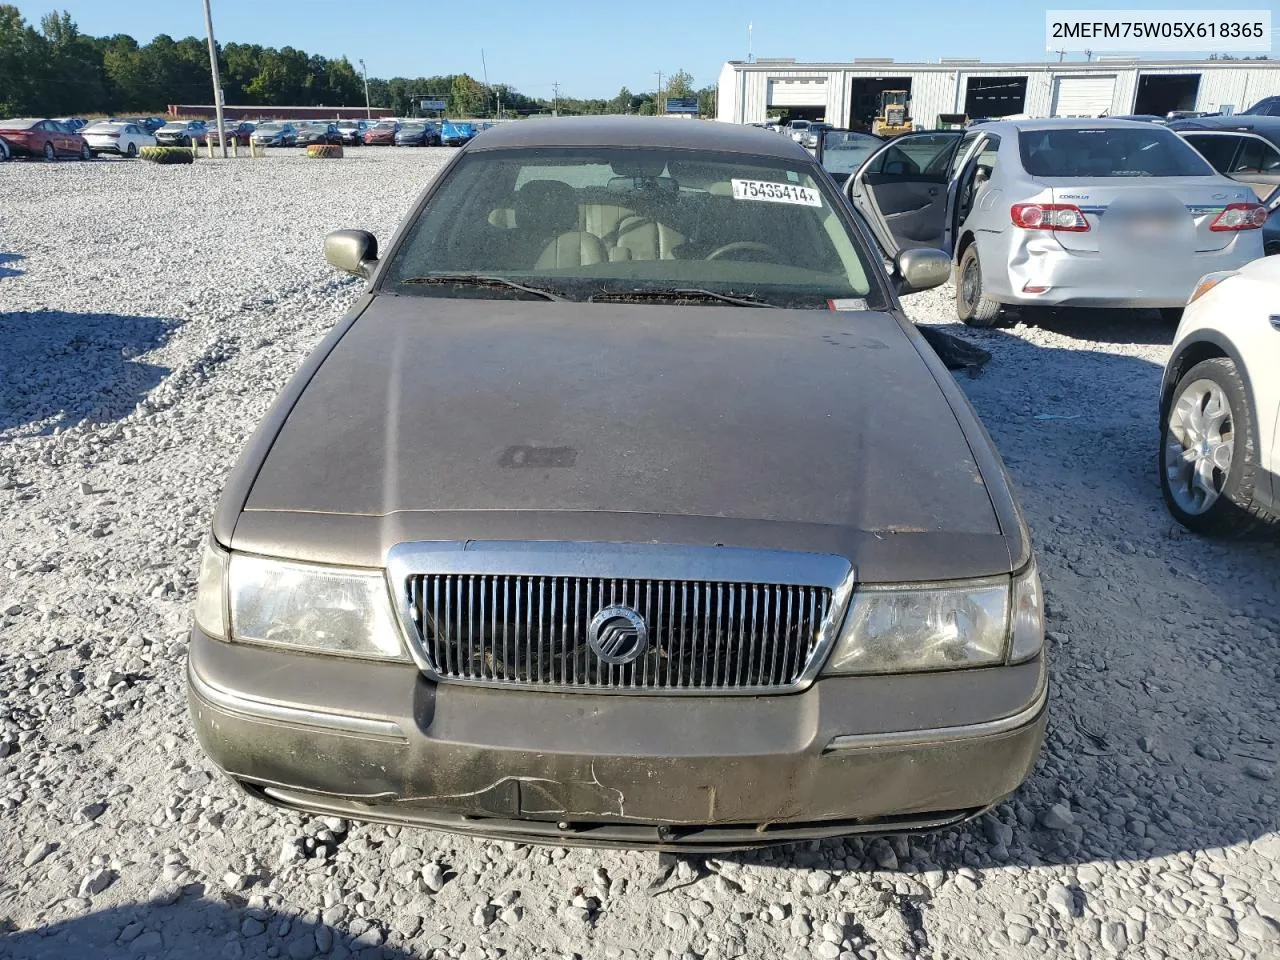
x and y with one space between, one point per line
352 251
921 269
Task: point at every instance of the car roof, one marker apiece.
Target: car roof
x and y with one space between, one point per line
660 132
1266 127
1067 123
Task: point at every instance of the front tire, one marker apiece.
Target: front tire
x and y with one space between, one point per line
972 306
1208 453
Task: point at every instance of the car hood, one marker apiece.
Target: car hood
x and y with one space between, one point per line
802 419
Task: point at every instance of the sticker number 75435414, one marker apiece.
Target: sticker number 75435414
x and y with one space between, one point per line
776 192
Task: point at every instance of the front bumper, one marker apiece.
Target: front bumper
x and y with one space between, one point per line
1089 279
378 741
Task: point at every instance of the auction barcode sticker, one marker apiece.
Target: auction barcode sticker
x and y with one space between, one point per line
772 192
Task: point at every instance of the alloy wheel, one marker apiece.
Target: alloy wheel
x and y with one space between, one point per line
1199 446
971 283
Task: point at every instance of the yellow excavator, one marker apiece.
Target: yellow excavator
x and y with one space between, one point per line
892 119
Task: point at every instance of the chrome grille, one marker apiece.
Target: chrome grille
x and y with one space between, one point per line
532 631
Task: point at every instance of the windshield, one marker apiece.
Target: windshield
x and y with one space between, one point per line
799 124
1109 152
386 125
346 124
413 127
270 127
843 151
611 223
175 126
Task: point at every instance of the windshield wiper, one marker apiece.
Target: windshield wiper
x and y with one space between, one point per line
683 293
471 279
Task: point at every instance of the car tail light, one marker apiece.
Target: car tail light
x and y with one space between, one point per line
1239 216
1049 216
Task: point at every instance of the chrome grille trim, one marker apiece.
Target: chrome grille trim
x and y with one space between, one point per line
722 620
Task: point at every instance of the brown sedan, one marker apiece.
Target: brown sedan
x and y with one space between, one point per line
626 507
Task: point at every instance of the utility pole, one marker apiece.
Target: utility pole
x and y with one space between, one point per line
555 103
485 67
368 113
217 80
659 107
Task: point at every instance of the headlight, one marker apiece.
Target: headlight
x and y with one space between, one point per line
211 594
323 609
1207 283
944 627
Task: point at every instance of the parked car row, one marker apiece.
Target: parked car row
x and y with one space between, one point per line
36 137
125 136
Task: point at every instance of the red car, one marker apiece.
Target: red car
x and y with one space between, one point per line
32 137
238 132
382 134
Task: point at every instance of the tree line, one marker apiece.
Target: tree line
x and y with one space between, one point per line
56 70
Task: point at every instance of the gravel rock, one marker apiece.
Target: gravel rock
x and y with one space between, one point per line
1259 928
38 853
819 881
1057 817
1062 901
433 877
96 881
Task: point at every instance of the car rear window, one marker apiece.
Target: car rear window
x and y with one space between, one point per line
1109 152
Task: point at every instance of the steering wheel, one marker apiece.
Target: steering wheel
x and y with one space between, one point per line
743 246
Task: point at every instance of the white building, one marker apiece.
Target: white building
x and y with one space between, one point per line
848 94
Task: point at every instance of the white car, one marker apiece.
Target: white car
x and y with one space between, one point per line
125 139
797 130
1220 405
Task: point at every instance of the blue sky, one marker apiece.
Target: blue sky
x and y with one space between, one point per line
593 48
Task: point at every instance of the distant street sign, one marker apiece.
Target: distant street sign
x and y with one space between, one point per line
435 104
682 104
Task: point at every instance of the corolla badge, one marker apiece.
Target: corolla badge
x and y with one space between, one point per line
618 635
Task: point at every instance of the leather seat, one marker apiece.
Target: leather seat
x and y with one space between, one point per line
546 218
575 248
640 238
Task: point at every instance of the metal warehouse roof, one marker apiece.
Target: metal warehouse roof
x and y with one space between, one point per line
868 65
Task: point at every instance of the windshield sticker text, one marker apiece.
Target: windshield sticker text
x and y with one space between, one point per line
776 192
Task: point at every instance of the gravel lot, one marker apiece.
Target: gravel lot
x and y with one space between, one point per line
149 314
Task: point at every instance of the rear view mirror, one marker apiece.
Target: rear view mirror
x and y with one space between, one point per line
352 251
921 269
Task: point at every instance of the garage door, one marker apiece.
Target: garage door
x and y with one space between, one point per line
1083 96
798 92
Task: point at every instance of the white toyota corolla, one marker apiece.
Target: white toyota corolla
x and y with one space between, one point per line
1220 405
